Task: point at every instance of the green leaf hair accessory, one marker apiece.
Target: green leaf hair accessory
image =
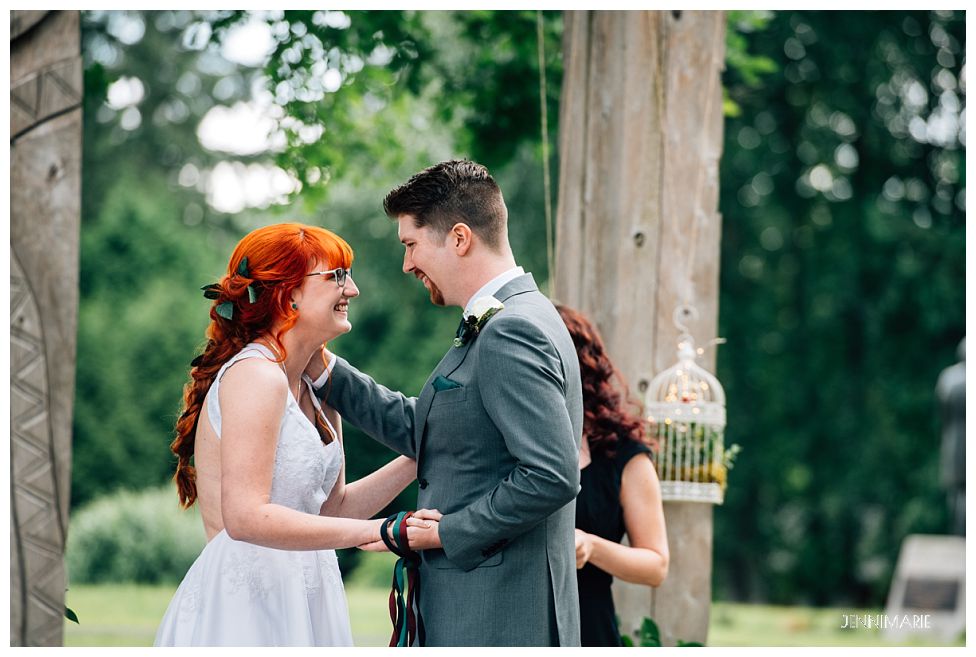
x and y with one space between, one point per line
242 268
252 293
226 310
211 291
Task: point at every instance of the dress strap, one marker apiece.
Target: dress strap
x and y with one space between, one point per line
318 406
252 350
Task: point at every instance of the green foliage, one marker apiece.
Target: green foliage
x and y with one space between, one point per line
842 297
749 67
481 69
350 76
133 537
491 72
649 636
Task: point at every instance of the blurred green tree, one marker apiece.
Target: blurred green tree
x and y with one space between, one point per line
842 297
147 242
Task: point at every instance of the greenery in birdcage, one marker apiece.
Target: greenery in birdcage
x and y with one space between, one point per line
698 464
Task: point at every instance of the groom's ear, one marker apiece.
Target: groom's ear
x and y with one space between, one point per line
460 238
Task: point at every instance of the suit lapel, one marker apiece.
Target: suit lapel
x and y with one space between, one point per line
455 357
521 285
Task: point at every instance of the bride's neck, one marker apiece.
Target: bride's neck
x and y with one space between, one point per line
297 354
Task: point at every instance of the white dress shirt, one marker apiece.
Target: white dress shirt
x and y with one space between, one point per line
492 286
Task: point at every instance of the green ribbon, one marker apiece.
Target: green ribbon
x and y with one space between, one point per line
408 627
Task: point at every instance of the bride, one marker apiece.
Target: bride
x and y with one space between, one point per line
268 468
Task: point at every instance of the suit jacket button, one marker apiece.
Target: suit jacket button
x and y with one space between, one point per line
422 483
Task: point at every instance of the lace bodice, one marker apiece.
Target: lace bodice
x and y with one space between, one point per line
305 470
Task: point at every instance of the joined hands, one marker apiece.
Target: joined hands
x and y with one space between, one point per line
422 532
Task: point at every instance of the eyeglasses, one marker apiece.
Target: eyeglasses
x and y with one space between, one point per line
340 274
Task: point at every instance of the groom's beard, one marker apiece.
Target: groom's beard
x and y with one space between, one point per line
436 296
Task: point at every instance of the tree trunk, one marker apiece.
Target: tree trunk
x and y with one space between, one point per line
45 201
638 232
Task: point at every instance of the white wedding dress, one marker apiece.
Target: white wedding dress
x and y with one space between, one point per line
241 594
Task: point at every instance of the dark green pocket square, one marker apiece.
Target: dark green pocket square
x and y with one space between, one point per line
443 383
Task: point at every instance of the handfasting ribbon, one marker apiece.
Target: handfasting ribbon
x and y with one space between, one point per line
408 626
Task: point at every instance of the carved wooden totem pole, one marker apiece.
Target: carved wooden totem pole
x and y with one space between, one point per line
45 203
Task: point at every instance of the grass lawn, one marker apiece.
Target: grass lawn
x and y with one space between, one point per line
732 624
127 615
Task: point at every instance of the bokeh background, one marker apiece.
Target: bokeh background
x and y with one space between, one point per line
842 275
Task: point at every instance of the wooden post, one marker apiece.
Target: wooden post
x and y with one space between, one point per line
45 208
638 232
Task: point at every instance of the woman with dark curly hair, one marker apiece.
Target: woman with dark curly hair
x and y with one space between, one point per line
619 492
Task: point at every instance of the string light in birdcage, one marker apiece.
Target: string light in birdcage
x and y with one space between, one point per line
686 403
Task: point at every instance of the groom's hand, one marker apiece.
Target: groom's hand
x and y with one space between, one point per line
315 366
422 529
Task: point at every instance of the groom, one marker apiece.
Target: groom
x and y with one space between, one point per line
496 428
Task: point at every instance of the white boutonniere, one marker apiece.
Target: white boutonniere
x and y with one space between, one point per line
483 309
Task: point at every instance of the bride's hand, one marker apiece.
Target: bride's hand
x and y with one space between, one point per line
378 545
375 546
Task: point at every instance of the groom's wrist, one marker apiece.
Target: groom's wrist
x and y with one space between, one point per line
324 376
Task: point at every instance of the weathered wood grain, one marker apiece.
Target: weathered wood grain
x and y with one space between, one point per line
637 231
45 200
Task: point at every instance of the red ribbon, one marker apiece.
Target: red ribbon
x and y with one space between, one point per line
408 565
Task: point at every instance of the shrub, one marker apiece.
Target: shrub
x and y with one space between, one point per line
132 536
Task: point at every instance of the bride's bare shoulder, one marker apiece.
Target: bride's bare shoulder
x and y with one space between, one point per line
255 372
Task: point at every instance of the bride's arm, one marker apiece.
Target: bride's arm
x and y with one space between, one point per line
366 497
253 395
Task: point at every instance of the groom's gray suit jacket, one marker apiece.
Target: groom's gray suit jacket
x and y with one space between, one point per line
499 457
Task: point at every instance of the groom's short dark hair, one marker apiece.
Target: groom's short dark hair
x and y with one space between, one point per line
451 192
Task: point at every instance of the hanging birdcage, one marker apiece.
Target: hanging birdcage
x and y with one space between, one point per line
686 404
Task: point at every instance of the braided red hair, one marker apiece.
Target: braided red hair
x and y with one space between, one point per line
278 257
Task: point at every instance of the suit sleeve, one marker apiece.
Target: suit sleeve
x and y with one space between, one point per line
385 415
522 385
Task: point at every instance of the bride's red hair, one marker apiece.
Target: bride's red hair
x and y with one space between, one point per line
278 258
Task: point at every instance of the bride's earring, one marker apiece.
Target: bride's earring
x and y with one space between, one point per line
294 306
